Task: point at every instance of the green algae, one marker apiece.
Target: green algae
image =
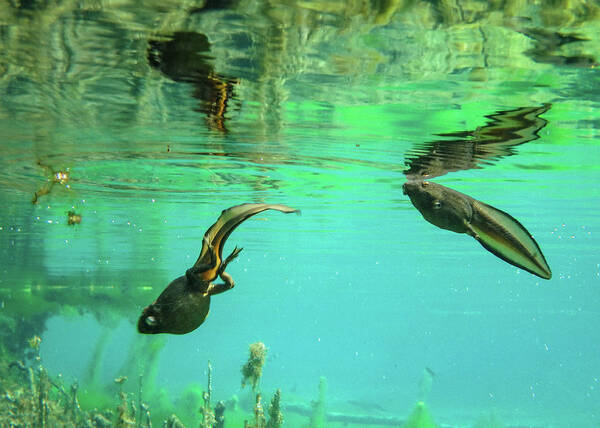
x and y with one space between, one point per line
252 370
420 417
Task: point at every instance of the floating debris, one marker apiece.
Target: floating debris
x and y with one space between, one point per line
252 370
54 177
121 380
73 218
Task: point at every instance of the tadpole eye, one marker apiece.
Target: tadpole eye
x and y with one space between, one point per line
425 183
150 321
437 205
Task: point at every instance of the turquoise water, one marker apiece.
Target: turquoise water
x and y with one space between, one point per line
149 121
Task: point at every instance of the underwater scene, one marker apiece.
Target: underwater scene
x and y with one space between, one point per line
300 213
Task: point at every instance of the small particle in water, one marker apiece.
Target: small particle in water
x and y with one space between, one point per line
546 347
121 380
35 342
153 200
62 175
73 218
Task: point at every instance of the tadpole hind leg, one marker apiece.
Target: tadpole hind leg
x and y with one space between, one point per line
236 251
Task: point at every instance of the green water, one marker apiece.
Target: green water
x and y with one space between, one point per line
149 120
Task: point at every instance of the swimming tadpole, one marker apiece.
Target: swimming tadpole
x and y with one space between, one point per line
497 231
184 304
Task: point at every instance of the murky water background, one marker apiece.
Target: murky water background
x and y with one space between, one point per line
147 121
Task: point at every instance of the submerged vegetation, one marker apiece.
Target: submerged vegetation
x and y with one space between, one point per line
31 396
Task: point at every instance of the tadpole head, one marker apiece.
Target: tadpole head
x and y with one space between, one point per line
179 309
150 320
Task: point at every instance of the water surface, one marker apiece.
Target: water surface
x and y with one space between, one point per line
147 121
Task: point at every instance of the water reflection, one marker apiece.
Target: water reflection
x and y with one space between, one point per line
482 146
497 231
183 57
548 46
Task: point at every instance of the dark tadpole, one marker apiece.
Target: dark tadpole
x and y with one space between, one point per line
184 304
497 231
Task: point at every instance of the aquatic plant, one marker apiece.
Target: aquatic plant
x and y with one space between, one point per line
125 418
208 416
219 415
33 398
425 384
275 415
419 418
489 420
317 418
173 422
252 370
259 415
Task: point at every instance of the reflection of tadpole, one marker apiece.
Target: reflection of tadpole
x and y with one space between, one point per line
183 57
497 231
472 149
54 177
548 43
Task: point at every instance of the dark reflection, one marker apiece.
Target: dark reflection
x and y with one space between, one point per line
183 58
548 44
497 231
215 5
482 146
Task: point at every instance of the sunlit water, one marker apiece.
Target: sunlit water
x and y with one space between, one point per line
318 106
